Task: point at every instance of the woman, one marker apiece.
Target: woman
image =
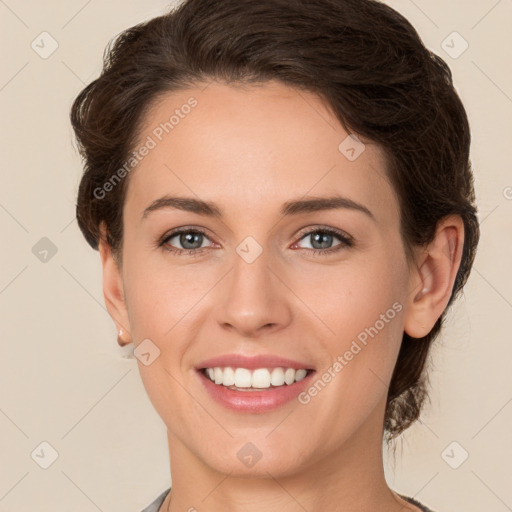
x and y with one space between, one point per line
282 198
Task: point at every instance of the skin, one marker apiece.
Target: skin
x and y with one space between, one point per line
249 150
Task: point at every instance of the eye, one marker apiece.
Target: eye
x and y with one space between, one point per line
191 241
321 240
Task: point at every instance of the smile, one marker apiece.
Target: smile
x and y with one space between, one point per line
261 390
244 379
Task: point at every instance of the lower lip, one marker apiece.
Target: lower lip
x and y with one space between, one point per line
254 401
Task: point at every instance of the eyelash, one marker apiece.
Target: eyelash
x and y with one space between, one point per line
346 241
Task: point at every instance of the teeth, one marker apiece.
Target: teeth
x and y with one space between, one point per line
289 376
242 378
277 378
261 378
228 378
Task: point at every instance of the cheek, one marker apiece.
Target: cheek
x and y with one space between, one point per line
159 295
362 305
355 318
352 296
163 307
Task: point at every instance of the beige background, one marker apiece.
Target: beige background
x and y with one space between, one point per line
63 379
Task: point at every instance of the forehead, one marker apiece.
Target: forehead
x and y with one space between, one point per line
252 146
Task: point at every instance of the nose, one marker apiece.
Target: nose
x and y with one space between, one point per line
254 299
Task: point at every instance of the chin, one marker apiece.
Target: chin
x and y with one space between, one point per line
258 459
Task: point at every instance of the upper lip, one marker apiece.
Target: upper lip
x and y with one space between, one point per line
252 362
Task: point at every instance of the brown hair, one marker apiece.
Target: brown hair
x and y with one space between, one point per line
360 56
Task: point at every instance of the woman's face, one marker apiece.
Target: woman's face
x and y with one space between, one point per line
276 272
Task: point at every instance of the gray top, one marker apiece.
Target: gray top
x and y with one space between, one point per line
158 502
414 502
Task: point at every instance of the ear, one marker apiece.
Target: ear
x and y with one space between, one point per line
433 277
113 290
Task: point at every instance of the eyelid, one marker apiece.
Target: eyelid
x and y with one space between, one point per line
346 240
326 229
178 231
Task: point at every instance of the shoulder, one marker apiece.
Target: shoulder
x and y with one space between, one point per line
422 507
153 507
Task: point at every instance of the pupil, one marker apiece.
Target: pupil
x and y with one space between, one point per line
189 238
324 240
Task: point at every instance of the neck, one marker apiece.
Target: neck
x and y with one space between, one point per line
350 478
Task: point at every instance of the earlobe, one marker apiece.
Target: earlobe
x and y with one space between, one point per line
434 277
121 338
113 291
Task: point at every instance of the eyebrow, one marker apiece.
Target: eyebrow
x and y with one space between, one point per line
295 207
